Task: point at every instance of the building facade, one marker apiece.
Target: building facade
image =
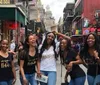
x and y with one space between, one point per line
60 25
12 17
84 19
35 13
67 18
49 19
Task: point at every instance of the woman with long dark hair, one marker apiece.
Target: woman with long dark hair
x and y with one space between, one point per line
7 69
28 59
47 59
90 54
71 59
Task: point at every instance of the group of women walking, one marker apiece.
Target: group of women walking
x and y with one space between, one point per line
42 60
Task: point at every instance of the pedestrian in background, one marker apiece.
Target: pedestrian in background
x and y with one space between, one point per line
47 59
28 59
70 60
12 45
12 48
7 69
20 47
90 54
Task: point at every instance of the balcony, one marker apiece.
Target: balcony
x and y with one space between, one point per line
68 12
69 16
78 9
76 17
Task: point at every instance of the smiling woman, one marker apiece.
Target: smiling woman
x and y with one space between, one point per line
47 55
90 55
7 69
28 59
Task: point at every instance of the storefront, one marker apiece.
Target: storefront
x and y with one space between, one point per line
12 18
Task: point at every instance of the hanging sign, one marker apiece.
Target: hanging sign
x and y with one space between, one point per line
4 1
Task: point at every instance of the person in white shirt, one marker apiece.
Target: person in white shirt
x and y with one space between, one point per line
47 59
12 46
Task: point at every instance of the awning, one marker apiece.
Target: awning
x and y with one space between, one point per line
12 12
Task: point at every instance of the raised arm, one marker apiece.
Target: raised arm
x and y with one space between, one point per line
63 35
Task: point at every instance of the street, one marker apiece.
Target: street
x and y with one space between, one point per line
59 79
26 24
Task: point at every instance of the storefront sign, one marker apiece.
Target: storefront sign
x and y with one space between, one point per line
11 25
4 1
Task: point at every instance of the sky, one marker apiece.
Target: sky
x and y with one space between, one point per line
56 7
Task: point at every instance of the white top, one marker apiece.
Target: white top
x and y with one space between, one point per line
48 61
12 46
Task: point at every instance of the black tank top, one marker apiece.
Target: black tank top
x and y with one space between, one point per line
6 68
